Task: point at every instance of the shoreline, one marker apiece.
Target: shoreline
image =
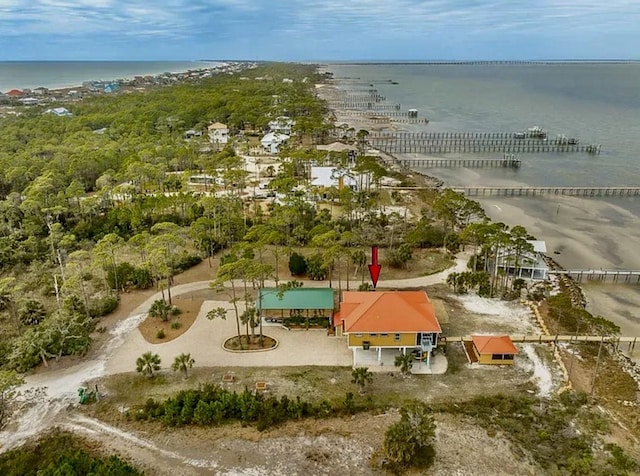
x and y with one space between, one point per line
122 77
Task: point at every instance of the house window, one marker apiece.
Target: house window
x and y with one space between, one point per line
373 335
396 337
384 335
496 357
508 357
358 335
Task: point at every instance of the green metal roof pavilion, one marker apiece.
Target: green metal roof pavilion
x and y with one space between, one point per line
313 298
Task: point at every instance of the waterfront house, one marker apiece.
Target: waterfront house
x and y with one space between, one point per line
15 93
29 101
218 133
492 350
298 306
111 88
272 141
531 264
41 91
387 322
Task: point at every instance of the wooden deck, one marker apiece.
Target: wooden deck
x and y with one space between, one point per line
468 349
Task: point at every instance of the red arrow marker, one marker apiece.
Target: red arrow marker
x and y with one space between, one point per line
374 267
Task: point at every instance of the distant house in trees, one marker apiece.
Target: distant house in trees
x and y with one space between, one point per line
59 111
378 323
492 350
272 141
191 133
337 147
29 101
218 133
325 177
282 125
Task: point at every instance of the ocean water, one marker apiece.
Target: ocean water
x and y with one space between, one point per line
60 74
597 103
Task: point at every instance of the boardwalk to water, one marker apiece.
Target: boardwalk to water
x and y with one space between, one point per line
627 276
555 339
534 191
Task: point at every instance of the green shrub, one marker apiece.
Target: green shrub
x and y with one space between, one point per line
213 405
31 312
185 262
316 268
176 325
103 306
297 264
142 278
160 334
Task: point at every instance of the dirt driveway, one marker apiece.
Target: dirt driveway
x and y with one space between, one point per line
204 341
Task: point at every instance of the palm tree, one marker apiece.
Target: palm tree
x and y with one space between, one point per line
183 363
361 376
147 363
160 309
405 362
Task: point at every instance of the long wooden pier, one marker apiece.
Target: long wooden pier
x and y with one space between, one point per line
448 142
507 161
535 191
390 114
370 105
506 145
555 339
616 275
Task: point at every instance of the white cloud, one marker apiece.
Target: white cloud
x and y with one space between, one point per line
326 21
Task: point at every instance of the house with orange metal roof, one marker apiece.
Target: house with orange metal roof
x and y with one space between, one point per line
387 321
495 350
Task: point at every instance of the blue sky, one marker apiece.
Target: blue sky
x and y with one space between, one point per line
318 30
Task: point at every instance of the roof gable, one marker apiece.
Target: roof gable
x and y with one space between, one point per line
389 311
494 345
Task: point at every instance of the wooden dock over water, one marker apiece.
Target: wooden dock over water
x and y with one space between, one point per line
536 191
508 160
